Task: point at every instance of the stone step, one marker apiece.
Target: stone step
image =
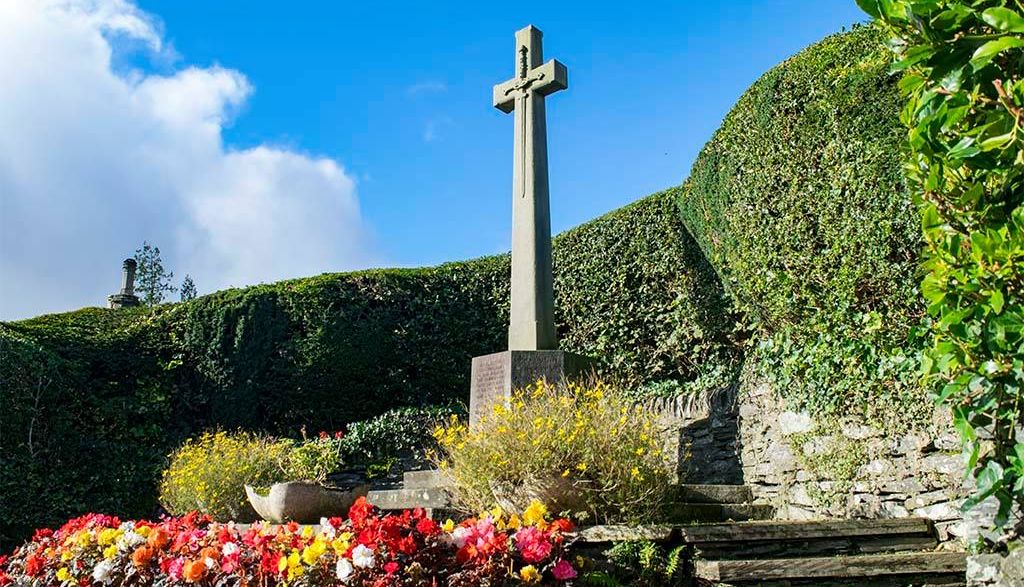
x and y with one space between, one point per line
777 538
918 566
717 512
731 532
693 493
405 499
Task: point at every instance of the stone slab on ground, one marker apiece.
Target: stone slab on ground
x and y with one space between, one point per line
425 479
693 493
407 499
717 512
916 566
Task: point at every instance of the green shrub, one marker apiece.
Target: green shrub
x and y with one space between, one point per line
581 450
388 435
130 385
800 203
209 473
965 103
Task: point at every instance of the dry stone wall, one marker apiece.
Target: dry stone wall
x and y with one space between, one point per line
812 469
996 570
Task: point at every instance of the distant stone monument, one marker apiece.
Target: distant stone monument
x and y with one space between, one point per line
532 340
126 297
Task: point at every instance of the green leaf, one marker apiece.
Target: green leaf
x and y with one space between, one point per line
1004 19
871 7
913 57
984 54
995 300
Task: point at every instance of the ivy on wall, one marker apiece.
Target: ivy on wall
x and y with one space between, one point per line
800 203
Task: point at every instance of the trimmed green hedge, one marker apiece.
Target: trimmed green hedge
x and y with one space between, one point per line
633 290
800 202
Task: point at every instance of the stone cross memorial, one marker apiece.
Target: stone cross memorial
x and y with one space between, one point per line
532 339
126 297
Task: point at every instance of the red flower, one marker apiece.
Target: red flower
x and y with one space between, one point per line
391 568
33 565
268 564
563 525
427 527
360 512
42 534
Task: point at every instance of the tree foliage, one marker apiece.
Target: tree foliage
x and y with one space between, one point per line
963 63
152 281
188 289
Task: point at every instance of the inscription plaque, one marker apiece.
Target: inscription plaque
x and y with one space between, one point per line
495 376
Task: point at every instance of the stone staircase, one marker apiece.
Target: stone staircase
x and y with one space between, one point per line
777 553
734 541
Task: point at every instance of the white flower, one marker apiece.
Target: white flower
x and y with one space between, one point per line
127 526
209 562
132 539
362 557
459 536
344 569
327 529
230 548
103 572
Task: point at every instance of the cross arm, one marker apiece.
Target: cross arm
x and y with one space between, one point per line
544 79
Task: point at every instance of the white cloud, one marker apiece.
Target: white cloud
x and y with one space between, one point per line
94 161
426 87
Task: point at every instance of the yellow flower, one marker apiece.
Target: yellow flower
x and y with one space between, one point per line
63 574
314 551
513 522
529 574
110 551
581 467
448 525
341 543
108 536
535 513
82 538
66 555
565 473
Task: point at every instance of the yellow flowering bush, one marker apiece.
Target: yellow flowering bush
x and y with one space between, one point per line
582 450
208 473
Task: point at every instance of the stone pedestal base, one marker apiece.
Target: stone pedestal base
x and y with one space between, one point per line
495 376
121 300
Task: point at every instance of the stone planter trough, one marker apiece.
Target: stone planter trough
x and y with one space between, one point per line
303 502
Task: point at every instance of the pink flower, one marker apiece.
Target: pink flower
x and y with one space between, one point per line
176 567
532 544
563 571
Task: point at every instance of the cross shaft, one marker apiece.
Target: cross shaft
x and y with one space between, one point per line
532 322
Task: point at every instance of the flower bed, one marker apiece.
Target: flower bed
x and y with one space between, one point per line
364 549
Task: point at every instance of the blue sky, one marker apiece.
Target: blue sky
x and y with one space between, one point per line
400 93
375 114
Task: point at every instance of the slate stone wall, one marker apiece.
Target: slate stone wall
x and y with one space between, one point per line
995 570
701 434
810 469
